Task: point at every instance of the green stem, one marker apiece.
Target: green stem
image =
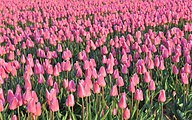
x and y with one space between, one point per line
186 92
96 101
162 78
40 90
110 81
141 80
67 75
184 95
121 114
69 112
83 108
53 116
137 109
151 101
103 97
161 110
18 113
99 103
59 81
28 115
131 102
87 108
176 86
119 90
50 114
1 116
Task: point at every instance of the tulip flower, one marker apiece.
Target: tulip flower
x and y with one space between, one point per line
161 67
54 106
87 94
152 88
50 81
139 97
120 83
132 90
13 118
97 89
162 98
13 104
114 92
1 109
81 94
122 103
126 113
31 107
38 110
175 71
102 71
184 80
70 102
10 96
27 95
114 112
67 67
65 83
174 93
71 86
101 82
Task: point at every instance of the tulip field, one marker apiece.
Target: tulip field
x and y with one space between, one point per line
95 59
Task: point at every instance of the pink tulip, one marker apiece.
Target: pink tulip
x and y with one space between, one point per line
96 88
70 100
38 109
147 77
50 81
122 102
120 82
80 91
40 79
184 78
31 107
152 85
102 71
101 80
65 83
138 95
126 113
131 87
10 96
27 95
162 96
54 106
13 104
114 91
1 106
114 111
71 86
14 117
116 74
174 69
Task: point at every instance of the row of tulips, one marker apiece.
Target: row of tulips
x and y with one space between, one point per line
103 59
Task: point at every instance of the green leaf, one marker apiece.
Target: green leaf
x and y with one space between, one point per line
73 116
103 118
168 100
134 110
96 117
65 117
90 115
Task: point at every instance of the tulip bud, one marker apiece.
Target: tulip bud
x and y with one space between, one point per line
122 102
162 96
138 95
126 114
